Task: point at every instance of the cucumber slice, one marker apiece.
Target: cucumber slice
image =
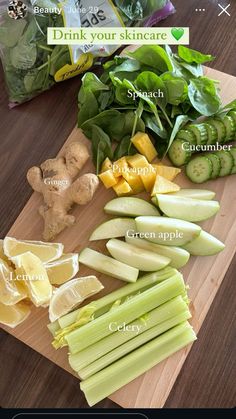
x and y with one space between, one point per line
178 256
167 231
230 127
134 256
233 154
117 227
204 245
187 209
226 161
179 153
200 132
131 207
215 164
188 136
221 131
108 266
212 134
199 169
192 193
233 115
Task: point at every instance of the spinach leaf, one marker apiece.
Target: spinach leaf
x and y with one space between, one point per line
150 123
153 56
176 88
23 56
195 70
88 108
101 146
122 95
145 98
180 121
203 96
124 148
110 121
11 31
191 56
130 118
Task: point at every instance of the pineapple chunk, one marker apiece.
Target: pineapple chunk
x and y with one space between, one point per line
134 181
167 172
106 165
108 179
148 177
144 145
163 185
138 161
120 166
122 188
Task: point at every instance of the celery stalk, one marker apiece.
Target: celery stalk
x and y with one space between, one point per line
126 369
134 343
132 309
103 304
166 311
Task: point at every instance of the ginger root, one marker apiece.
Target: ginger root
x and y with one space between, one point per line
55 180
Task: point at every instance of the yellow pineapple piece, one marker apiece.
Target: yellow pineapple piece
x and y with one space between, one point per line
148 177
134 181
167 172
106 165
122 188
108 179
142 142
138 161
163 185
120 166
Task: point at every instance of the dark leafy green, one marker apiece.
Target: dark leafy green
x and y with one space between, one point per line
153 90
153 56
191 56
203 95
101 146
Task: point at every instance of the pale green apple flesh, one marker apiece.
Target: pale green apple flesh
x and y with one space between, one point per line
108 266
204 245
178 256
187 209
134 256
130 207
194 193
117 227
166 231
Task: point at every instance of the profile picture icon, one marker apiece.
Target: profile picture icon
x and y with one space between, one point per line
16 9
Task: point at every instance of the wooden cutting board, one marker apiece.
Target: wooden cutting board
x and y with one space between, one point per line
203 274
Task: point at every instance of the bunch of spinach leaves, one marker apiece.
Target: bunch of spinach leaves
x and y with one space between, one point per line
124 100
29 63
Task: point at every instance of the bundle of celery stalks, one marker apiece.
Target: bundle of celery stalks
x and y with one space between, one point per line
120 336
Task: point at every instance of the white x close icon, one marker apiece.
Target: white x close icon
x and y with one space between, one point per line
224 9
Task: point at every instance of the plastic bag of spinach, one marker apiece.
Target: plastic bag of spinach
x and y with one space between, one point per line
31 66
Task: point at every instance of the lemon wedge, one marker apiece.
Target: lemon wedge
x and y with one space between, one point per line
2 255
31 271
71 294
13 315
10 292
46 252
63 269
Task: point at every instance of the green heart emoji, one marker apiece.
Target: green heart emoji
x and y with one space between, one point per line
177 33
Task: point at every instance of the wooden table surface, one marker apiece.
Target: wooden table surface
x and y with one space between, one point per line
36 131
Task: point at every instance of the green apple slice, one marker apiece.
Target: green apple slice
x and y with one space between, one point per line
194 193
204 245
129 206
134 256
167 231
178 256
187 209
108 266
117 227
